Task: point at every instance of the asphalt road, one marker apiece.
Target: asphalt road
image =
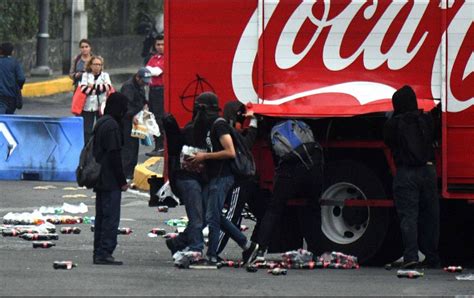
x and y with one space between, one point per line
148 268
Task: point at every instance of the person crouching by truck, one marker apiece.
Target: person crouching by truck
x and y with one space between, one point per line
410 135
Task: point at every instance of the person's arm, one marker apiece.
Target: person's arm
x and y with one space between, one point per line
116 159
227 153
155 70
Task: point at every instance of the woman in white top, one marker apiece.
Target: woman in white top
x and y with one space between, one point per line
96 85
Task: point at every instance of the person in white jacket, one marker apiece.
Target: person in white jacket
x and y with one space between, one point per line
96 85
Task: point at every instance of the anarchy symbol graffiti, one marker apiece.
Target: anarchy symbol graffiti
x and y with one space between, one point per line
192 90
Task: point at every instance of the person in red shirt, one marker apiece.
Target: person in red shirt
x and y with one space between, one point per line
156 65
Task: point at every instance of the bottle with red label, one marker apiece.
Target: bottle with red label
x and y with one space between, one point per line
124 231
10 233
31 237
453 269
278 271
43 244
68 265
409 274
70 230
158 231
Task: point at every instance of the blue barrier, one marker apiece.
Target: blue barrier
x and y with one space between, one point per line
40 148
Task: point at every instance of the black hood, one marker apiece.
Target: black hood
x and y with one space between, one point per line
116 106
234 112
404 100
206 111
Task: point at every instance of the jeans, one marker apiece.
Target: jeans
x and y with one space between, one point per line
214 195
107 219
191 194
417 203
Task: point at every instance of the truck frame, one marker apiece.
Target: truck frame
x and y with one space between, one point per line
336 64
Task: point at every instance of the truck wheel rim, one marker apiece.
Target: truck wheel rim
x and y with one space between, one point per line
333 224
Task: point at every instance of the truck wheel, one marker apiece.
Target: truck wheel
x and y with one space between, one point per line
358 231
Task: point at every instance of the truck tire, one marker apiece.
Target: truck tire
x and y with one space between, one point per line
358 231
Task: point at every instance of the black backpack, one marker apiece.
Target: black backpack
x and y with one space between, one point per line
243 165
88 171
415 138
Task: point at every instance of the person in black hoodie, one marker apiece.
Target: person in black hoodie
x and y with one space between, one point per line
410 135
134 90
108 144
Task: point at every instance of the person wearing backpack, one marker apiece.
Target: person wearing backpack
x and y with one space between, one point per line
107 148
245 188
221 152
298 162
409 134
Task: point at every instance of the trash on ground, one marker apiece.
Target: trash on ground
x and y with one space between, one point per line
89 220
158 231
453 269
76 196
69 208
469 276
297 256
278 271
170 235
44 187
70 230
31 237
124 231
163 209
409 273
243 228
68 265
182 259
177 222
43 244
338 260
152 235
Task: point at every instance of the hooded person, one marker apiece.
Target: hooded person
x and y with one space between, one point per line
108 144
409 134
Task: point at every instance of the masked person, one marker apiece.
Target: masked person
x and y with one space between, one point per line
220 153
410 135
108 143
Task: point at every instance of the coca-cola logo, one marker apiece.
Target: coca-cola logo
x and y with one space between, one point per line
365 49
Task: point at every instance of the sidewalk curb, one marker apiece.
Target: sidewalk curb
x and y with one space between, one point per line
50 87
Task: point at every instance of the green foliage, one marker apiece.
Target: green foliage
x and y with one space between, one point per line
105 18
19 18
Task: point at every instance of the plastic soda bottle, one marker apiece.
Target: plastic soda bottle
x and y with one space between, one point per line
409 274
68 265
43 244
124 231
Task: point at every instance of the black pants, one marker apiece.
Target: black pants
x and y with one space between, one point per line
293 181
157 108
89 120
107 219
417 203
129 150
243 191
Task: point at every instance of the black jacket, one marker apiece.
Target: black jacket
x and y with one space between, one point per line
136 97
107 148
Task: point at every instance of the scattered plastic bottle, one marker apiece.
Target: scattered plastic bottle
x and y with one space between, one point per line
163 209
409 274
124 231
158 231
68 265
453 269
43 244
70 230
87 220
170 235
278 271
307 265
31 237
10 233
177 222
243 228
